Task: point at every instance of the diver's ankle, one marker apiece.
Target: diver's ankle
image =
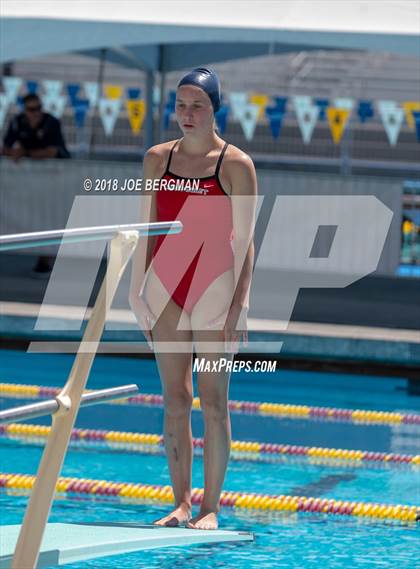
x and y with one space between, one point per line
184 506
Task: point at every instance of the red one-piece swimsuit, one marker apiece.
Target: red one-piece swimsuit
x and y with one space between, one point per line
188 262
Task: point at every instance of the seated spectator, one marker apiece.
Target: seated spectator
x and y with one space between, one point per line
35 134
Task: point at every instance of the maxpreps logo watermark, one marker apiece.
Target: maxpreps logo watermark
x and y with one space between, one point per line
233 366
306 241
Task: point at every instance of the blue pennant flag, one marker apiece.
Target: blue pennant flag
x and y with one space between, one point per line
276 120
221 118
32 87
133 93
280 104
322 104
365 110
166 116
81 107
416 115
72 91
171 101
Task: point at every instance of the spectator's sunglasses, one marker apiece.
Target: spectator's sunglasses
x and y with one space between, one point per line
33 109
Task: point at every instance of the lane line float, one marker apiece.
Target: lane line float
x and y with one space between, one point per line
243 449
123 492
356 416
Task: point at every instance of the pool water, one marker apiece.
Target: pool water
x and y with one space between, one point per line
289 541
396 484
282 540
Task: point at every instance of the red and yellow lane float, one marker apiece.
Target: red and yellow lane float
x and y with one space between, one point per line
356 416
244 449
124 492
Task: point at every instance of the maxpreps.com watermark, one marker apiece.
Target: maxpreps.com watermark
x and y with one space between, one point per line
232 366
138 185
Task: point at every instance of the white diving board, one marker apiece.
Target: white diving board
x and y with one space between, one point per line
70 543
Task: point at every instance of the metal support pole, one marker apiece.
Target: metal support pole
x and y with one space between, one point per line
37 512
149 126
162 90
101 71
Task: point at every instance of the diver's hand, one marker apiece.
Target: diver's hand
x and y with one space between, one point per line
144 316
236 328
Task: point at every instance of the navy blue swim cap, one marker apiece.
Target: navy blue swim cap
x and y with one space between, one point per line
208 81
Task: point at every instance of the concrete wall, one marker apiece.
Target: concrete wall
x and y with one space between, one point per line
38 196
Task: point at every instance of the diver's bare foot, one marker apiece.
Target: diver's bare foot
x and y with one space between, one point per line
204 520
180 515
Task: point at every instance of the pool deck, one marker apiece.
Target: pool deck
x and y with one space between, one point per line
121 316
374 320
374 301
61 332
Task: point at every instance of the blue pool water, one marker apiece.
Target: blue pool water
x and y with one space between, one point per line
282 540
295 387
304 540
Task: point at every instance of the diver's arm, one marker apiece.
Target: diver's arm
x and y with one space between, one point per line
244 198
142 255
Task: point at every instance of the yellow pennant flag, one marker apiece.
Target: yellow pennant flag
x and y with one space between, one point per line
136 110
113 91
261 100
337 119
409 107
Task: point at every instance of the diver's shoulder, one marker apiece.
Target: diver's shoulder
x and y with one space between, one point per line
236 159
157 155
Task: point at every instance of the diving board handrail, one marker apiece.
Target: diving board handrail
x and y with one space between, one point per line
49 407
82 234
35 520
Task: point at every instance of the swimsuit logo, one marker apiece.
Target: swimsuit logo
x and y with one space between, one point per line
189 185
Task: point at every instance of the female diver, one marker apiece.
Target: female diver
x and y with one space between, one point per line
192 289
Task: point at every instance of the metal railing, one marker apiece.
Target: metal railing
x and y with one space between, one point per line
77 235
35 410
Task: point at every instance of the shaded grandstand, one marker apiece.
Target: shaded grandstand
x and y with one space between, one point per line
364 148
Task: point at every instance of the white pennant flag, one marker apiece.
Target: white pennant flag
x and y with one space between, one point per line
248 120
52 87
301 101
4 106
108 111
92 93
12 87
387 105
238 102
392 118
307 116
156 95
54 104
343 103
